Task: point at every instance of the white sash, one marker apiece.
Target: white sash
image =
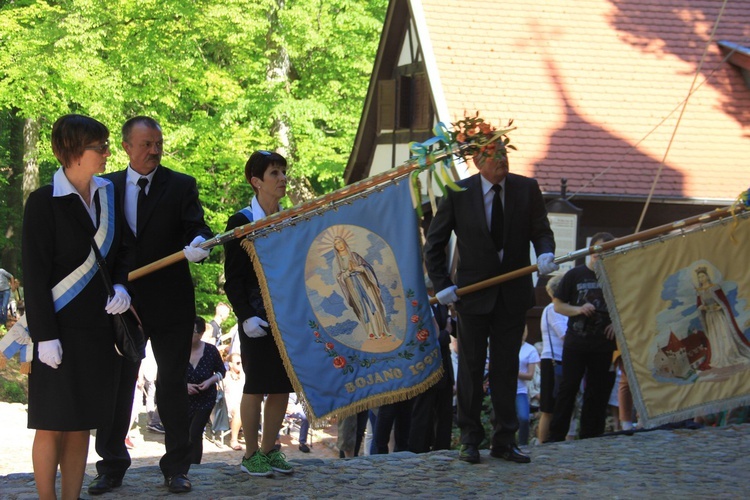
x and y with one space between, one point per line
247 212
70 286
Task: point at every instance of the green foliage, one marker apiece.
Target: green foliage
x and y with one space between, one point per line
12 392
219 75
207 283
14 386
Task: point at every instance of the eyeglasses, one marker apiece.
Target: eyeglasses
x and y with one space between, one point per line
101 148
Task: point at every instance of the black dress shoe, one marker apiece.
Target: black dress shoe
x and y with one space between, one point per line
179 483
469 453
104 484
511 453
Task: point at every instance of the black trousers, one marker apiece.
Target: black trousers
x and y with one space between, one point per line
198 420
110 439
598 386
171 346
504 331
432 418
396 416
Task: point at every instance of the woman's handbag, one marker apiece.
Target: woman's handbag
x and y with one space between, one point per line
220 413
130 340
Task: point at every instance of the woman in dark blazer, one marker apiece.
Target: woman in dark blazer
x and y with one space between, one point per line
67 305
261 358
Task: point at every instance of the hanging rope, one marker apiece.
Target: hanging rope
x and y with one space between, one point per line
693 90
655 127
679 119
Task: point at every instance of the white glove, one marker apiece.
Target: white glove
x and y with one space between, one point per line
50 353
193 252
252 327
120 302
447 295
545 263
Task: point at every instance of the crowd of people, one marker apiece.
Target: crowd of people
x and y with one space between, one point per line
146 211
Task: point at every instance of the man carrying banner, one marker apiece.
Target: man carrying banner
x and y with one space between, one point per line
495 218
164 216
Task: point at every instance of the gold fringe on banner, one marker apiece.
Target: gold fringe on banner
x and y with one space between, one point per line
318 421
635 305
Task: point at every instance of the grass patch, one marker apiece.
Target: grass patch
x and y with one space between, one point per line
14 386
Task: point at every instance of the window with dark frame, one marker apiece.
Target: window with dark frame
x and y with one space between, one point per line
404 103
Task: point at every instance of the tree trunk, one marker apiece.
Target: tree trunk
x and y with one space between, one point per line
30 157
22 144
280 72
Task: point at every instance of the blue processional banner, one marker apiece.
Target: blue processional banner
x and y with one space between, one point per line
348 305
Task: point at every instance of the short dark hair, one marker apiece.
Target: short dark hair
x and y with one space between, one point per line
72 133
602 237
259 162
200 325
145 120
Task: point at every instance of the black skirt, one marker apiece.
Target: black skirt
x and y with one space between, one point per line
79 394
261 362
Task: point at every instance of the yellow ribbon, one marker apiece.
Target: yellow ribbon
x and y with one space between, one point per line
741 203
426 154
443 145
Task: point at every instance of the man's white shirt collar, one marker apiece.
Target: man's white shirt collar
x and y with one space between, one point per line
487 185
133 176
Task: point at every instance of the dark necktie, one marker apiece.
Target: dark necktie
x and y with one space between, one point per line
496 221
142 183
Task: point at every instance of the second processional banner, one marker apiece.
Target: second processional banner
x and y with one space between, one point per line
681 312
345 291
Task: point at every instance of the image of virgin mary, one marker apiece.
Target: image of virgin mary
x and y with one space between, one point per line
727 344
361 290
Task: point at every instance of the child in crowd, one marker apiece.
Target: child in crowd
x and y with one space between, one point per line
528 359
295 410
234 382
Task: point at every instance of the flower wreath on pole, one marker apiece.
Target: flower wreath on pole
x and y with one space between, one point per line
467 137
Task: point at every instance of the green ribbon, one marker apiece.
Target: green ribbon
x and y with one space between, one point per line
426 155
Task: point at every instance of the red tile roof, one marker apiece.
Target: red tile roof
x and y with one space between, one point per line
595 88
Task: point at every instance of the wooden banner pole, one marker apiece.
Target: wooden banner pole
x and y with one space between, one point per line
302 209
609 245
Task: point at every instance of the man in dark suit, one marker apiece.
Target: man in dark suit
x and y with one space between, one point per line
494 227
164 216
